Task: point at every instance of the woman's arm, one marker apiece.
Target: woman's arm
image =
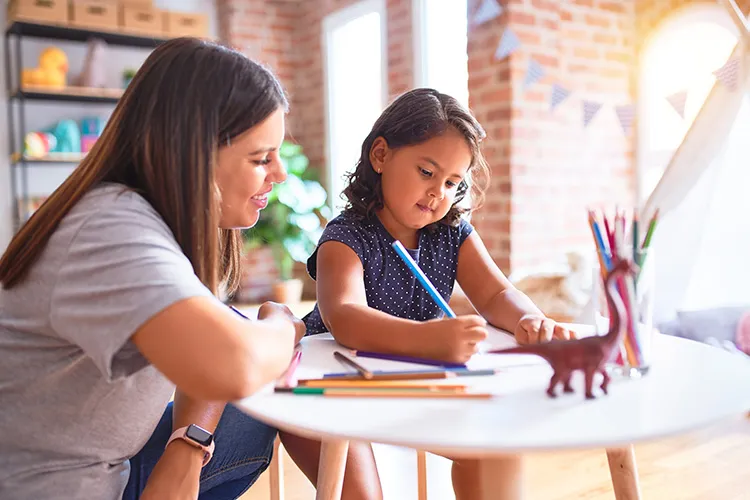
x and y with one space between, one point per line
210 353
343 307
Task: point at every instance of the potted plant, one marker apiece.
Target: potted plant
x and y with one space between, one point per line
127 76
292 222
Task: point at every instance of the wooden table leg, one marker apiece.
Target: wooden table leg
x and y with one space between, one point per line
624 473
421 475
331 469
502 478
276 471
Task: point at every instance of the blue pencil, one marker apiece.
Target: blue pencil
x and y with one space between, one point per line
237 311
417 272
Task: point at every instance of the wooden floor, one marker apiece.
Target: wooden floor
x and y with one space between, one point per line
711 464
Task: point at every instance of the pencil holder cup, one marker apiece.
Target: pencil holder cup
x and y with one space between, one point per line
633 359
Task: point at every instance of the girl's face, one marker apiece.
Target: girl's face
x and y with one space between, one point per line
246 171
420 182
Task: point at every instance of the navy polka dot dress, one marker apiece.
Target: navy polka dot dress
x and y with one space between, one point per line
389 285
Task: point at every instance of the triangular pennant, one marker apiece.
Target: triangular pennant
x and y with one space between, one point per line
728 74
678 100
534 73
626 115
509 42
487 11
559 94
590 109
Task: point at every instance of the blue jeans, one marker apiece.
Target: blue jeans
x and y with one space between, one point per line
243 451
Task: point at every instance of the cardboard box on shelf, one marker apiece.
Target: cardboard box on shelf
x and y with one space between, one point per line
94 14
43 11
185 24
141 20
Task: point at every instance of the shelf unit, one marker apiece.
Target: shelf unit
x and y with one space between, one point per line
19 96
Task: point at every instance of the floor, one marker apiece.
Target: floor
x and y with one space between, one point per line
710 464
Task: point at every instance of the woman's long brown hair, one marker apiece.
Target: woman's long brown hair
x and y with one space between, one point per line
189 98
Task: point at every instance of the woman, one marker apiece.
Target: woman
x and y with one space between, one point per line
108 296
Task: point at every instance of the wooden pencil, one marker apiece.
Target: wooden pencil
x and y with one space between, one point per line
380 393
385 384
367 374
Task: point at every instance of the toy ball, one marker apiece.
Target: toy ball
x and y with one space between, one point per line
39 144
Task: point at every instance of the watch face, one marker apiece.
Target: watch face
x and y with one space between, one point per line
199 435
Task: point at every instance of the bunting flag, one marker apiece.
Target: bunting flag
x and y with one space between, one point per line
626 116
728 74
488 11
559 94
509 42
678 100
590 109
534 73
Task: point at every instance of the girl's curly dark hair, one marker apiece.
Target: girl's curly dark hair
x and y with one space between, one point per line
413 118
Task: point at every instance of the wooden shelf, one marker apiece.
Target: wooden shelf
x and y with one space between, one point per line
69 94
50 158
36 29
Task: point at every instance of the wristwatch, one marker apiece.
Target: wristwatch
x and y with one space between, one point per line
196 436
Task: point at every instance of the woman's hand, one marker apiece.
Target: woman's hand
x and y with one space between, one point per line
273 309
176 474
535 329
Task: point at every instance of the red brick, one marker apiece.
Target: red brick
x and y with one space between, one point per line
598 21
521 18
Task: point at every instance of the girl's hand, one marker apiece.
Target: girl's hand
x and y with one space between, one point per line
455 340
272 309
535 329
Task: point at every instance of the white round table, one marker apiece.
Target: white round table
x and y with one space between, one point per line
689 385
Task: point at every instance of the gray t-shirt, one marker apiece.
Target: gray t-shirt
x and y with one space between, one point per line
77 399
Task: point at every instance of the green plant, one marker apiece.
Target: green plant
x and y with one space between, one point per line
128 74
292 222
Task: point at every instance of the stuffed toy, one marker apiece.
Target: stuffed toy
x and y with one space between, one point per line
51 72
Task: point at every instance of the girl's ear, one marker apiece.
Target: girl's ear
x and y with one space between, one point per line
378 154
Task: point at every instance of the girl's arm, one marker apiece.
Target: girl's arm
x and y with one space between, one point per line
210 353
343 308
497 300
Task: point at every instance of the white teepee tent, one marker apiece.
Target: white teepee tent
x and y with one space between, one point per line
702 241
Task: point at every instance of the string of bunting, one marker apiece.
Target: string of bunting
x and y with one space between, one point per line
728 75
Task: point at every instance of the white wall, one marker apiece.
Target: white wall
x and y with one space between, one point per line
43 180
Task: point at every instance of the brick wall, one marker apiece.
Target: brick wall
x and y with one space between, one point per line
548 168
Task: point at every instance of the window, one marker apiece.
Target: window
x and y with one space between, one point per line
440 56
681 55
354 48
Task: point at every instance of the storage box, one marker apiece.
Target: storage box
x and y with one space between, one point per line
43 11
185 24
142 20
94 14
148 4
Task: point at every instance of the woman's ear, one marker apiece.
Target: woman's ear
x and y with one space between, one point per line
379 154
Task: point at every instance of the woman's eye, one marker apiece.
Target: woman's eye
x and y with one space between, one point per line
264 161
450 184
425 172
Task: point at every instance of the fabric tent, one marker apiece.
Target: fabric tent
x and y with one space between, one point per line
700 250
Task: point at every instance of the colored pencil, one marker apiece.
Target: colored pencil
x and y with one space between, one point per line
237 311
411 374
650 232
422 278
405 359
381 393
380 384
288 376
367 374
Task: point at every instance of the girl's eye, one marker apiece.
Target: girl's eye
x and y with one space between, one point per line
425 172
450 184
264 161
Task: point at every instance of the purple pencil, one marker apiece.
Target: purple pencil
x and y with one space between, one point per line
406 359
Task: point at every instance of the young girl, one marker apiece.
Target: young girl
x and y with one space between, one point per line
417 165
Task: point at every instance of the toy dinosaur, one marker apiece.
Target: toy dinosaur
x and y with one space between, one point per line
589 354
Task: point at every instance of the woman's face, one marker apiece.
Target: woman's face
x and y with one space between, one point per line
246 171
